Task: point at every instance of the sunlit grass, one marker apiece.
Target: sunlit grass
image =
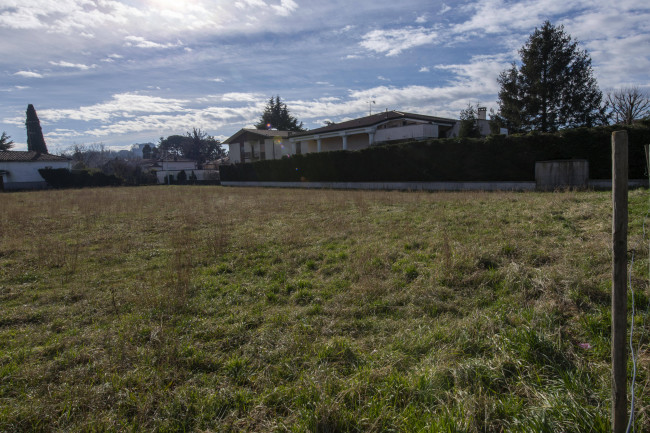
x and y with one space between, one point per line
220 309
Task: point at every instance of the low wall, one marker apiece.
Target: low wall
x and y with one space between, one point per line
605 184
403 186
18 186
595 184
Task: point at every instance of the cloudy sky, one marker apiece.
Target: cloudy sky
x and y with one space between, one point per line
120 72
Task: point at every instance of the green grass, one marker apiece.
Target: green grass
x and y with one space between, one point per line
175 309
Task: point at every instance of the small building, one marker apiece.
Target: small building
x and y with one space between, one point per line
19 169
173 165
385 127
248 145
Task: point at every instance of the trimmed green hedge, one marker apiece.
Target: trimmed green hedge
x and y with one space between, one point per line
64 178
495 158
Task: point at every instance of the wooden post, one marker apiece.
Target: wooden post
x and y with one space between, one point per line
619 280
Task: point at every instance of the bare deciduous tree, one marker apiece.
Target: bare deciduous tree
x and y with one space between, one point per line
628 104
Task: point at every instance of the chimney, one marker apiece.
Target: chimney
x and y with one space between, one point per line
482 113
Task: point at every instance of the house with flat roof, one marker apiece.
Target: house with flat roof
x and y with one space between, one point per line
19 169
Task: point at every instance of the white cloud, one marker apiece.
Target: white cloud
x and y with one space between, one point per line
421 19
121 105
444 9
502 16
382 78
140 42
28 74
11 89
393 42
285 8
242 97
217 80
243 4
424 69
64 64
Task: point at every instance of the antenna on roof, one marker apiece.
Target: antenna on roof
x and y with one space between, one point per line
370 107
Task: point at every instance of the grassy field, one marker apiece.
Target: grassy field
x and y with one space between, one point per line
219 309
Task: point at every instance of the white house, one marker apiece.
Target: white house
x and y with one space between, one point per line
19 169
248 145
366 131
174 165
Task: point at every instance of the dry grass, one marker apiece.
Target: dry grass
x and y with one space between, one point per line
216 309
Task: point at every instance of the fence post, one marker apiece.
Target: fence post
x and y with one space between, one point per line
619 280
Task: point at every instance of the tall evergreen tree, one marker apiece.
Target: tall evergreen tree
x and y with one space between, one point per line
35 140
554 88
276 115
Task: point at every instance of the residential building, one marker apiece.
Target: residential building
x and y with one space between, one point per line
248 145
366 131
173 165
19 169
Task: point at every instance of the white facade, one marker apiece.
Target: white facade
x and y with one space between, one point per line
177 165
379 128
25 175
249 145
201 175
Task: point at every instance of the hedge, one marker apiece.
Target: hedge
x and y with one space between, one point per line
64 178
494 158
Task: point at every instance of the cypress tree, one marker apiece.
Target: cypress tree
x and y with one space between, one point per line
35 140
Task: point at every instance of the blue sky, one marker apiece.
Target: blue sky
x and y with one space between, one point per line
131 71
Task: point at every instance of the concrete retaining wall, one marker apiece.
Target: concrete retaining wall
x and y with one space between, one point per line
598 184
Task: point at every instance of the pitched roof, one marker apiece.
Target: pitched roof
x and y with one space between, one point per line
256 132
29 156
372 120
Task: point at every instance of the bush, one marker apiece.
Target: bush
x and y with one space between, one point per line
64 178
494 158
